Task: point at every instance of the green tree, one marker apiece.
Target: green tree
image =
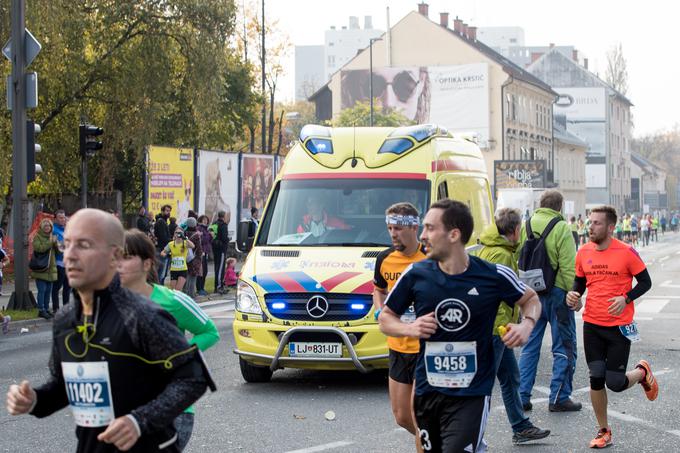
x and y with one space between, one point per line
148 72
360 115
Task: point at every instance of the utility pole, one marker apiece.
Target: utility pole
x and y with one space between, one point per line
264 96
21 298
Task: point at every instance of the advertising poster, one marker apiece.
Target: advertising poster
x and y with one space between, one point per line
519 174
170 179
257 178
218 191
431 94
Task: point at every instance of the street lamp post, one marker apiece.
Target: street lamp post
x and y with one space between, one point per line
370 74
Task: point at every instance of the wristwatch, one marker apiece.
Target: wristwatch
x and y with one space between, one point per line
628 299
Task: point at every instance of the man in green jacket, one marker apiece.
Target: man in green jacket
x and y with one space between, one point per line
561 251
499 243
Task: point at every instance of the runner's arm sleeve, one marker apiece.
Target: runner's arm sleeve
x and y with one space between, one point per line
192 318
158 337
579 285
644 284
51 396
401 296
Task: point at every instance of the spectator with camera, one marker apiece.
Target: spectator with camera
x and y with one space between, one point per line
180 251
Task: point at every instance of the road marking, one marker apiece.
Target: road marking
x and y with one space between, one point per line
662 259
215 302
661 297
678 252
667 284
228 307
324 447
674 431
651 305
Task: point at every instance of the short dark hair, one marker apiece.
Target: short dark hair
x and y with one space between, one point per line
221 214
253 210
203 216
456 215
552 199
166 206
507 220
402 209
609 212
59 211
192 214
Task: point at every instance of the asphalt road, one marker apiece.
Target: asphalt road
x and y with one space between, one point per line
288 413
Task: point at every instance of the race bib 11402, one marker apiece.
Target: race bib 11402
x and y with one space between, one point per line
88 387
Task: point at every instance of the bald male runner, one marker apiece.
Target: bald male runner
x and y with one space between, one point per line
117 358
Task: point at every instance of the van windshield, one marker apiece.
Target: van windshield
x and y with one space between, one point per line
327 212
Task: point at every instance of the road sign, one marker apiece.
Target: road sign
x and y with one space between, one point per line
31 46
31 91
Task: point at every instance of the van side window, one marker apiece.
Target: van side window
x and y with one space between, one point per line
441 191
475 193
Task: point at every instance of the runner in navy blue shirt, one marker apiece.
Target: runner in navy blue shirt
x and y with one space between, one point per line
456 298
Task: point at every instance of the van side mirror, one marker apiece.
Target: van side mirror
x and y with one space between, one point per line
244 242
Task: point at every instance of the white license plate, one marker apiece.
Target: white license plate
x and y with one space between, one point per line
308 349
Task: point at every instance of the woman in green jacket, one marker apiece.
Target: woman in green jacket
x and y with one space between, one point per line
45 241
137 271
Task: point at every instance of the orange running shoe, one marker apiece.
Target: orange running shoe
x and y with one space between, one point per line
603 439
649 383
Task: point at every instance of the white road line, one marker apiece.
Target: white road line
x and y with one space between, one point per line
220 309
667 284
651 305
678 252
664 258
674 432
223 317
661 297
217 302
324 447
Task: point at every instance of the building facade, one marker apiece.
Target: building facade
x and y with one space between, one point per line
570 167
341 45
600 116
309 70
460 83
648 186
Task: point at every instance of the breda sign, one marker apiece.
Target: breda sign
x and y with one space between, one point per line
519 174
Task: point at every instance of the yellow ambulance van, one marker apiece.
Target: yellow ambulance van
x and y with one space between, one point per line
304 296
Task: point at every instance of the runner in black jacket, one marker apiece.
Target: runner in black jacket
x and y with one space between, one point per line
117 358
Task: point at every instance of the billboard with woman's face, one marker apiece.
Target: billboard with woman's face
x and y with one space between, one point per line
257 178
218 176
456 97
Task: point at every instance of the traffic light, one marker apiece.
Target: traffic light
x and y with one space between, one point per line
88 142
32 129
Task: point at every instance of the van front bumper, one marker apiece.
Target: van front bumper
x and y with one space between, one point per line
266 344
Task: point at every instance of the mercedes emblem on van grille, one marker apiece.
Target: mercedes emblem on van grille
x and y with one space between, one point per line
317 306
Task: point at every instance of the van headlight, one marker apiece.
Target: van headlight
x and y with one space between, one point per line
246 299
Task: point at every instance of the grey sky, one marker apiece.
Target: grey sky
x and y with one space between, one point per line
648 31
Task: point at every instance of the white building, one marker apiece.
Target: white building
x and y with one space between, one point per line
341 45
309 70
501 38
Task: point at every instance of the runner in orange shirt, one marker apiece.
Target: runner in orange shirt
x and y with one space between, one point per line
606 267
402 224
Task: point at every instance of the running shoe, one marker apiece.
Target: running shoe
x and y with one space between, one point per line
603 439
649 383
529 434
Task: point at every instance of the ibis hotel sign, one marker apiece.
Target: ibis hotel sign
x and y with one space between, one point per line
519 174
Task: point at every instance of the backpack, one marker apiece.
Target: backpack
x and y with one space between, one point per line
534 263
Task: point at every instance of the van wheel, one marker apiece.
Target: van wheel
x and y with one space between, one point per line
254 373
